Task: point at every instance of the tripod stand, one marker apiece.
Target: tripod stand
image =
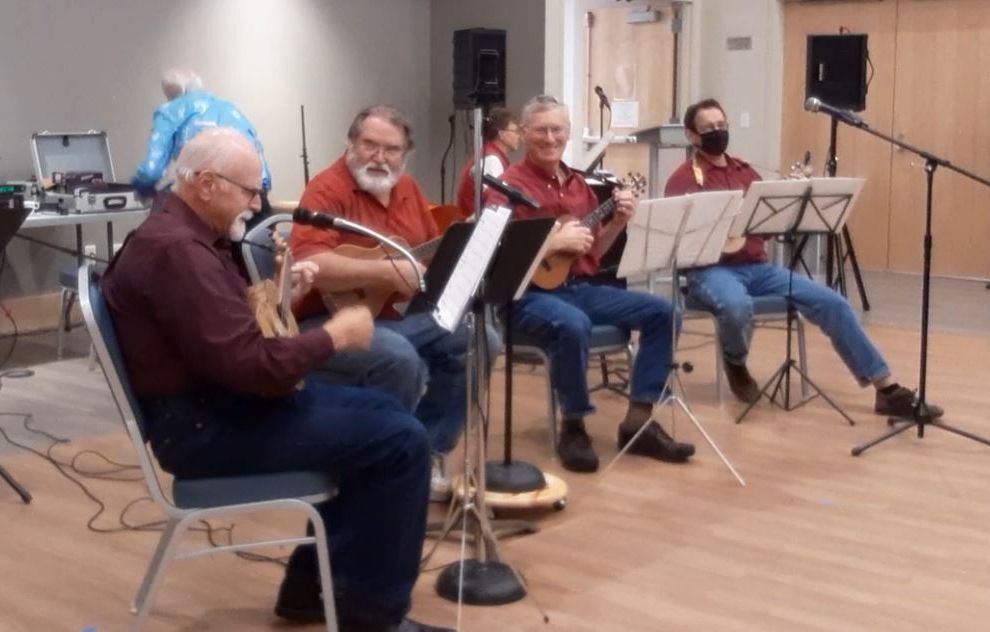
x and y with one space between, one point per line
20 489
839 248
781 208
921 414
693 227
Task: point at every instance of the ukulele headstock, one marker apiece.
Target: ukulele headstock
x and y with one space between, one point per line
634 182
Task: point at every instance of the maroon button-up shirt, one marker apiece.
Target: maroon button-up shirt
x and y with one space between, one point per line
180 310
570 196
734 176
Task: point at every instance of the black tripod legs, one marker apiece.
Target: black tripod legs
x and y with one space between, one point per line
20 489
900 425
780 381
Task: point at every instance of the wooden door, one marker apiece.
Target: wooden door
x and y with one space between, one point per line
941 104
631 62
859 154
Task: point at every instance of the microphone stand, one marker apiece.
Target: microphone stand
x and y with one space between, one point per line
345 224
304 155
921 414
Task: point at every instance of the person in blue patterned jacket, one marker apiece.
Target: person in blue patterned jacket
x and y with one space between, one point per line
188 110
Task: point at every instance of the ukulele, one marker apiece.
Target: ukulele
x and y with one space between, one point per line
553 270
272 301
374 298
799 170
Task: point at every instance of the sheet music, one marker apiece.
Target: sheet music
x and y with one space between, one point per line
651 235
709 218
471 267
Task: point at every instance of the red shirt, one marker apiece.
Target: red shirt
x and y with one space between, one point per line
734 176
335 191
569 196
179 306
465 188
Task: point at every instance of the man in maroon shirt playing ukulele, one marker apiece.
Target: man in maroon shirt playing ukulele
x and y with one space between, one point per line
220 399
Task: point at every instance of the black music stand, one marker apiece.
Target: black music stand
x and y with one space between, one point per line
480 274
790 208
12 215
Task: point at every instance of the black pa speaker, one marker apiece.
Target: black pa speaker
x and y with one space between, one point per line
479 68
836 70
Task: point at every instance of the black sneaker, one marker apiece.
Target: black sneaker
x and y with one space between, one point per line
574 449
300 600
741 383
900 403
654 442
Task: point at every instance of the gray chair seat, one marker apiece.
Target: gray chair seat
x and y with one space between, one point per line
195 493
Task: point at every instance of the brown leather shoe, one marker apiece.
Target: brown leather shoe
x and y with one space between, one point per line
900 403
741 383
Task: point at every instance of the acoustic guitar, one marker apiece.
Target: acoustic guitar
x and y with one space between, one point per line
374 298
554 269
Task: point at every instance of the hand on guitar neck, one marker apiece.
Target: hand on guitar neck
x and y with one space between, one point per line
800 170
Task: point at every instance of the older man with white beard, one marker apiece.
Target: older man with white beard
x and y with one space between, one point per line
368 185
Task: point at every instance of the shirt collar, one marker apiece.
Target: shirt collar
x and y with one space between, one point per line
543 175
200 229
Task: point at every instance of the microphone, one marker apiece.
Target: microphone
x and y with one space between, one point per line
326 220
602 98
320 220
814 104
515 195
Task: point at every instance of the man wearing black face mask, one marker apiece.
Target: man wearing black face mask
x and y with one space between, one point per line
727 288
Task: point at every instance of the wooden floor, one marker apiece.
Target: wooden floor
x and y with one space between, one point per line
897 539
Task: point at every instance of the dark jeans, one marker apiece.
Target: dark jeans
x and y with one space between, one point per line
561 320
381 454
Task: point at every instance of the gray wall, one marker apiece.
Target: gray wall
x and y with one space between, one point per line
69 65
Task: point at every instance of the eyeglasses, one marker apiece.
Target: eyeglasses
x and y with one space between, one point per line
556 131
251 192
371 148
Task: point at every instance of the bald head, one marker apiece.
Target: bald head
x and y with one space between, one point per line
219 176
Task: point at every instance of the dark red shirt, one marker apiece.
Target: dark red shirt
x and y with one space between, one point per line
734 176
569 196
180 309
465 187
335 191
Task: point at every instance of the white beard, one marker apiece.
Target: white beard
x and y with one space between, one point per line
238 228
374 184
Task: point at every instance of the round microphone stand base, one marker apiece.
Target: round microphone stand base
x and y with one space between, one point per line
488 583
513 477
552 495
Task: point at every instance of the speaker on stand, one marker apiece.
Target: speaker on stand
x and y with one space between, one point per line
835 73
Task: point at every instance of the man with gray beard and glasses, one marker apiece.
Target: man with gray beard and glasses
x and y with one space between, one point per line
410 357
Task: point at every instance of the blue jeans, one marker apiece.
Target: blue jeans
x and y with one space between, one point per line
381 453
561 320
419 363
728 291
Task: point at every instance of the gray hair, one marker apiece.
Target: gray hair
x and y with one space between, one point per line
386 112
178 81
214 149
541 103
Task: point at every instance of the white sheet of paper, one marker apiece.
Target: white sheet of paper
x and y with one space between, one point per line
692 227
470 268
625 113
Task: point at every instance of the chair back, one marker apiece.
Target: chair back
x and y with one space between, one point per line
258 248
99 322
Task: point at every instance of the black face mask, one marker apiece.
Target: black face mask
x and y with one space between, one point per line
715 142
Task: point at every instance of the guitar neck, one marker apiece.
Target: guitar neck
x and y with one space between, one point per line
598 214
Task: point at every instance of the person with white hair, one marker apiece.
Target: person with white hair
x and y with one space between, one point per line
220 399
187 112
